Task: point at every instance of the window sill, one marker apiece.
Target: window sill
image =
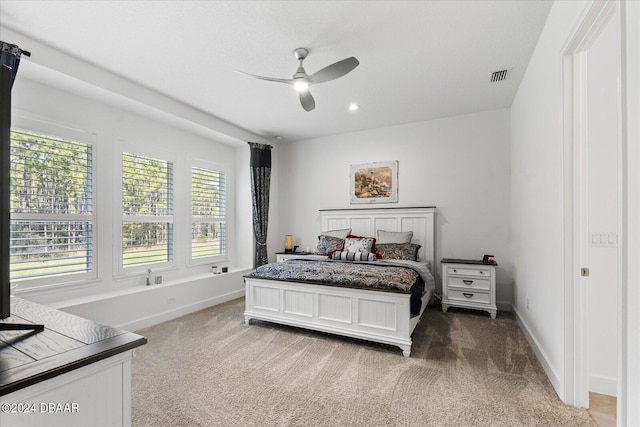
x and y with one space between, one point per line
37 290
143 288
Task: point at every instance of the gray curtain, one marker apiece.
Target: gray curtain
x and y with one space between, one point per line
260 167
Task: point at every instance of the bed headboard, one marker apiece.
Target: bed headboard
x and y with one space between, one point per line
366 222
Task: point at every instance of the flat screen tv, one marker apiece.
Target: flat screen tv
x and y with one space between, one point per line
5 203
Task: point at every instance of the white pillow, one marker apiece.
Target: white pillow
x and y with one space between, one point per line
340 234
394 236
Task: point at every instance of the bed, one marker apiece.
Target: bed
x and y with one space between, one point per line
380 314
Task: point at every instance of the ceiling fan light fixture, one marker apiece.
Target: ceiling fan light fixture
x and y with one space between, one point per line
301 85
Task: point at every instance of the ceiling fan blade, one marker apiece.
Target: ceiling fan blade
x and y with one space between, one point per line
334 71
307 101
271 79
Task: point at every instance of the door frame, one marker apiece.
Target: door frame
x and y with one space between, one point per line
575 388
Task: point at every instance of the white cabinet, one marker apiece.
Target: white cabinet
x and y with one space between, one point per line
98 394
469 284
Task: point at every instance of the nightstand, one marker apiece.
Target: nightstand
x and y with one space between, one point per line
469 284
283 256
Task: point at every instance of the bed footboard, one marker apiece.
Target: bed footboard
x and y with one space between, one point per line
359 313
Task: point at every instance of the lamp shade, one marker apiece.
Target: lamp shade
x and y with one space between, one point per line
288 242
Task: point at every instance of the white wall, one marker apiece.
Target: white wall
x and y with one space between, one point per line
244 217
124 300
537 191
458 164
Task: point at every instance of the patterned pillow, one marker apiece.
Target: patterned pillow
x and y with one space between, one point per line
353 256
394 236
327 244
358 244
407 251
373 239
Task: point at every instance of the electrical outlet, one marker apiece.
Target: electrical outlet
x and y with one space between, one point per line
158 280
171 300
527 303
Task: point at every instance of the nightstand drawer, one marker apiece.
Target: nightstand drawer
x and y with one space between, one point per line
478 272
469 296
472 283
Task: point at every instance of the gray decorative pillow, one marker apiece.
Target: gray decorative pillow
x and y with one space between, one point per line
394 236
353 256
327 244
406 251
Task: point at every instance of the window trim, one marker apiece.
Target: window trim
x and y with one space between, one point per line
76 135
219 167
139 150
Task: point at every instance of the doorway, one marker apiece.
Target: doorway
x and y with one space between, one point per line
592 205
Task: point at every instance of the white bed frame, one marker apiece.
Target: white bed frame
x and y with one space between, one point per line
377 316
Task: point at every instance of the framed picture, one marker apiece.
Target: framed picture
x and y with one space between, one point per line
374 182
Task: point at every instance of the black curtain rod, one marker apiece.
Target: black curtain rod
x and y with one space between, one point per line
266 145
22 51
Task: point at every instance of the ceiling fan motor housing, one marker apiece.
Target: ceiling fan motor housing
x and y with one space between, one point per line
300 74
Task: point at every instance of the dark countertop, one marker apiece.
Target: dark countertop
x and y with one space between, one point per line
67 343
465 261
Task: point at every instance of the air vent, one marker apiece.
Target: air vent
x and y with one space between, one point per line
498 76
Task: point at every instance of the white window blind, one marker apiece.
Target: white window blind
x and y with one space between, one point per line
147 210
51 206
208 213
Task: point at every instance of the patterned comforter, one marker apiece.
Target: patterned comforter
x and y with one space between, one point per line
404 277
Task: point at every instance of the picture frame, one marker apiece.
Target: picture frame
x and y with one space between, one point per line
374 182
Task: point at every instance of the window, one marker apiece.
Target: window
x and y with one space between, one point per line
208 213
51 206
147 211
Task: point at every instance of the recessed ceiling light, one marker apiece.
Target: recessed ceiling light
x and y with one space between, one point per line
354 107
278 137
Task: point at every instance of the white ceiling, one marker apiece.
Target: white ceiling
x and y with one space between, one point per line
419 60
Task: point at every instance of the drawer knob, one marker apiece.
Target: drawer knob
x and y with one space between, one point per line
481 272
467 282
467 295
455 271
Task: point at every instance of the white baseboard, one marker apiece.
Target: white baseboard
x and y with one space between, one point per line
540 354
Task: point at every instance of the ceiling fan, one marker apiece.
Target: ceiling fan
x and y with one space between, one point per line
301 80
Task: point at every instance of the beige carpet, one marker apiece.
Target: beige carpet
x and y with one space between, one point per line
210 369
